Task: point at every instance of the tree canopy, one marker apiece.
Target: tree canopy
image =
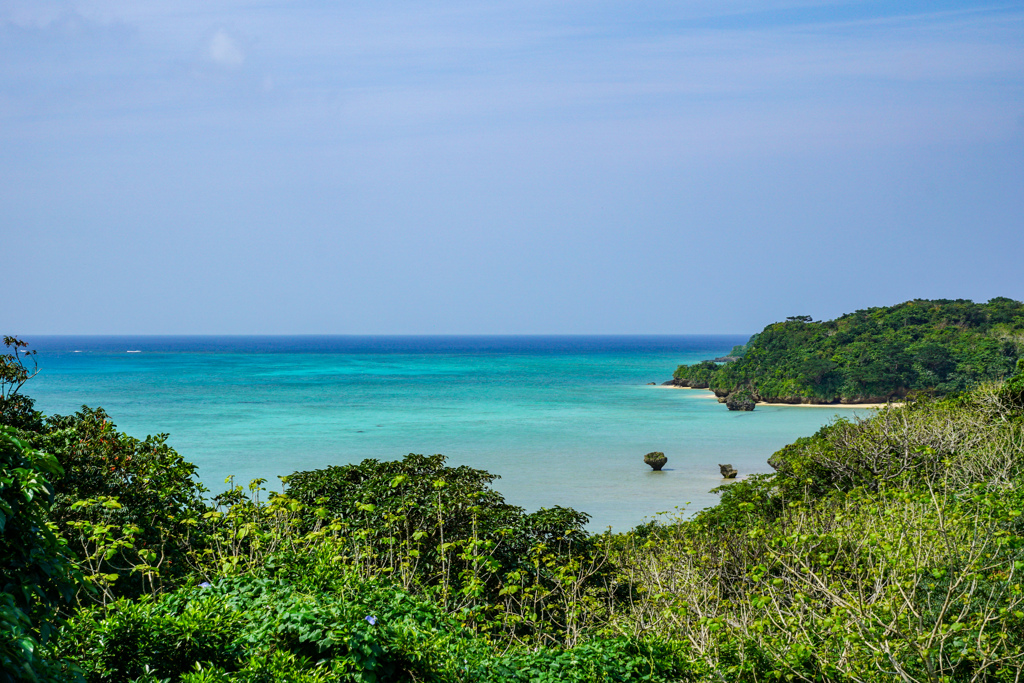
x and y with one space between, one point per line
936 347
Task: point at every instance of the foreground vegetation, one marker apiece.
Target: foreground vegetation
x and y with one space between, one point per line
883 549
875 355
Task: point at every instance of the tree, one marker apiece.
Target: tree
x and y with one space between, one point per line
17 409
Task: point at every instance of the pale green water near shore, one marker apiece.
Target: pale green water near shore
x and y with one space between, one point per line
563 421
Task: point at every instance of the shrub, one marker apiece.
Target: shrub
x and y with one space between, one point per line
140 493
444 523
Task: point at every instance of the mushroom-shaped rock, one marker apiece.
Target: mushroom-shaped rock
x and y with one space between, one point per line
727 471
740 400
656 459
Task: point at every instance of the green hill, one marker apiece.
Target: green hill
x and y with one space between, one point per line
937 347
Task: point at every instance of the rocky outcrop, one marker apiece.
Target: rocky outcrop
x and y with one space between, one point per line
727 471
656 459
740 400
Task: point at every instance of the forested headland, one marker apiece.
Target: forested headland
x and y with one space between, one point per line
921 347
881 549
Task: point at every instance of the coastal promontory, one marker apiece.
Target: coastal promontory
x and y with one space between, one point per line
876 355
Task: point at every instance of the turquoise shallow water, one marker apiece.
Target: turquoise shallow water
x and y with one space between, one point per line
562 420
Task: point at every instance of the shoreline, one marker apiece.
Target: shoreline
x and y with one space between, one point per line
711 394
832 405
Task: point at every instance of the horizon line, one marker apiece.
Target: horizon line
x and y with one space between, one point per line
388 334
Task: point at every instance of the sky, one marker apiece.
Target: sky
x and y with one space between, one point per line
491 167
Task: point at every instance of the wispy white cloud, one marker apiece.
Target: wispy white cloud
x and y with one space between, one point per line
224 50
508 60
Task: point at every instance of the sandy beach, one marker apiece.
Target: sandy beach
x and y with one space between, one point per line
711 394
832 405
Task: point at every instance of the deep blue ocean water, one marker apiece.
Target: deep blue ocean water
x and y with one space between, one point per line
563 420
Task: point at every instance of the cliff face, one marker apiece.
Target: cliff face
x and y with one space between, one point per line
875 355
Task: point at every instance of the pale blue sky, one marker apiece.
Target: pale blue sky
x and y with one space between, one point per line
179 166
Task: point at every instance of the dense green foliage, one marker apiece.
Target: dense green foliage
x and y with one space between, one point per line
285 628
36 577
444 527
129 506
889 548
936 347
882 549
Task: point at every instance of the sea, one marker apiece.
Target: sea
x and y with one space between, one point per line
562 420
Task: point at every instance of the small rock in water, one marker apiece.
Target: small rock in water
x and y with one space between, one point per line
656 459
727 471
